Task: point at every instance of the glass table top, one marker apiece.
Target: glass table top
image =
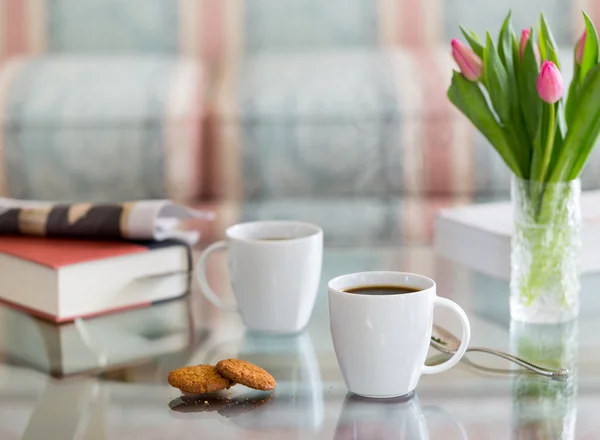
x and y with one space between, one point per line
106 378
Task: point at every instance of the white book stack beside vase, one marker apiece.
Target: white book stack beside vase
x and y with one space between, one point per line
479 236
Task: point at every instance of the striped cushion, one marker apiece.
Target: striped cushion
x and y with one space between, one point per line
304 124
350 123
122 25
187 27
301 24
344 123
101 128
226 28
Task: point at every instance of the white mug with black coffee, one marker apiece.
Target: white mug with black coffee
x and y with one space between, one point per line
381 325
275 269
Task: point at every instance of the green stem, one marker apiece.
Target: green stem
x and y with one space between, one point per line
549 142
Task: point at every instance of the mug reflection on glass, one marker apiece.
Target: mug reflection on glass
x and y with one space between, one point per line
298 400
400 418
275 269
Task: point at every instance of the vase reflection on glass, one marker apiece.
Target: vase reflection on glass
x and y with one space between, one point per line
544 408
545 251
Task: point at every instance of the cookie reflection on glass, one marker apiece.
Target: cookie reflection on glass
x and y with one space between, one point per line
245 405
207 403
224 404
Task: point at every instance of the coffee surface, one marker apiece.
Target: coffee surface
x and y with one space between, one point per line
273 238
382 290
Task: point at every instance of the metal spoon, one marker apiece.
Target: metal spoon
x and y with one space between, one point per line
446 342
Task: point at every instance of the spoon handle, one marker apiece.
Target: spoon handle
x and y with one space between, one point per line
561 372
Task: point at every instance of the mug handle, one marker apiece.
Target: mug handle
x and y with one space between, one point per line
464 343
203 281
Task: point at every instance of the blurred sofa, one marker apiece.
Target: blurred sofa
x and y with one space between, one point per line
323 107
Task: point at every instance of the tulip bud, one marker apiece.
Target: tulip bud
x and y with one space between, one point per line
524 39
525 34
550 83
580 47
470 64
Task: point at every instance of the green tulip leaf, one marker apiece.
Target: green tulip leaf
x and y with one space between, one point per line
590 51
582 133
538 166
588 103
505 43
547 43
573 94
531 103
560 136
468 97
552 56
473 41
496 80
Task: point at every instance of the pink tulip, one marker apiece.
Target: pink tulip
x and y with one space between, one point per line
580 47
525 34
524 39
470 64
550 83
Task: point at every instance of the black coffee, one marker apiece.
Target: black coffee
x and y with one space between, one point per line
381 290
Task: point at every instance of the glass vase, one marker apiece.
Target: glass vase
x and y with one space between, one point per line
545 249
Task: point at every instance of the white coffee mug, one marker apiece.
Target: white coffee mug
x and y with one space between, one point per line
381 341
275 269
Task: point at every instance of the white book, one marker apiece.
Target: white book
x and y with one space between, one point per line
63 279
479 236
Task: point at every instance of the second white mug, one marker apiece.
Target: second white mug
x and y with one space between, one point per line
275 269
380 340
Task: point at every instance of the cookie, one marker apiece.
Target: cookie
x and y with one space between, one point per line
198 379
247 374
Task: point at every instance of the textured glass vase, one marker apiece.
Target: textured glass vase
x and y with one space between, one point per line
545 251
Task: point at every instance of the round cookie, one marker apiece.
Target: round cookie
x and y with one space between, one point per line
245 373
198 379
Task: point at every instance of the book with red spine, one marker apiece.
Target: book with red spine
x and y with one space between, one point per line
63 279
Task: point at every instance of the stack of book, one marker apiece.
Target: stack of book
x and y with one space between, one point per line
62 262
62 265
63 279
479 236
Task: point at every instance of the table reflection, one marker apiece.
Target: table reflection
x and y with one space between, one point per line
545 409
95 345
296 403
400 418
69 409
